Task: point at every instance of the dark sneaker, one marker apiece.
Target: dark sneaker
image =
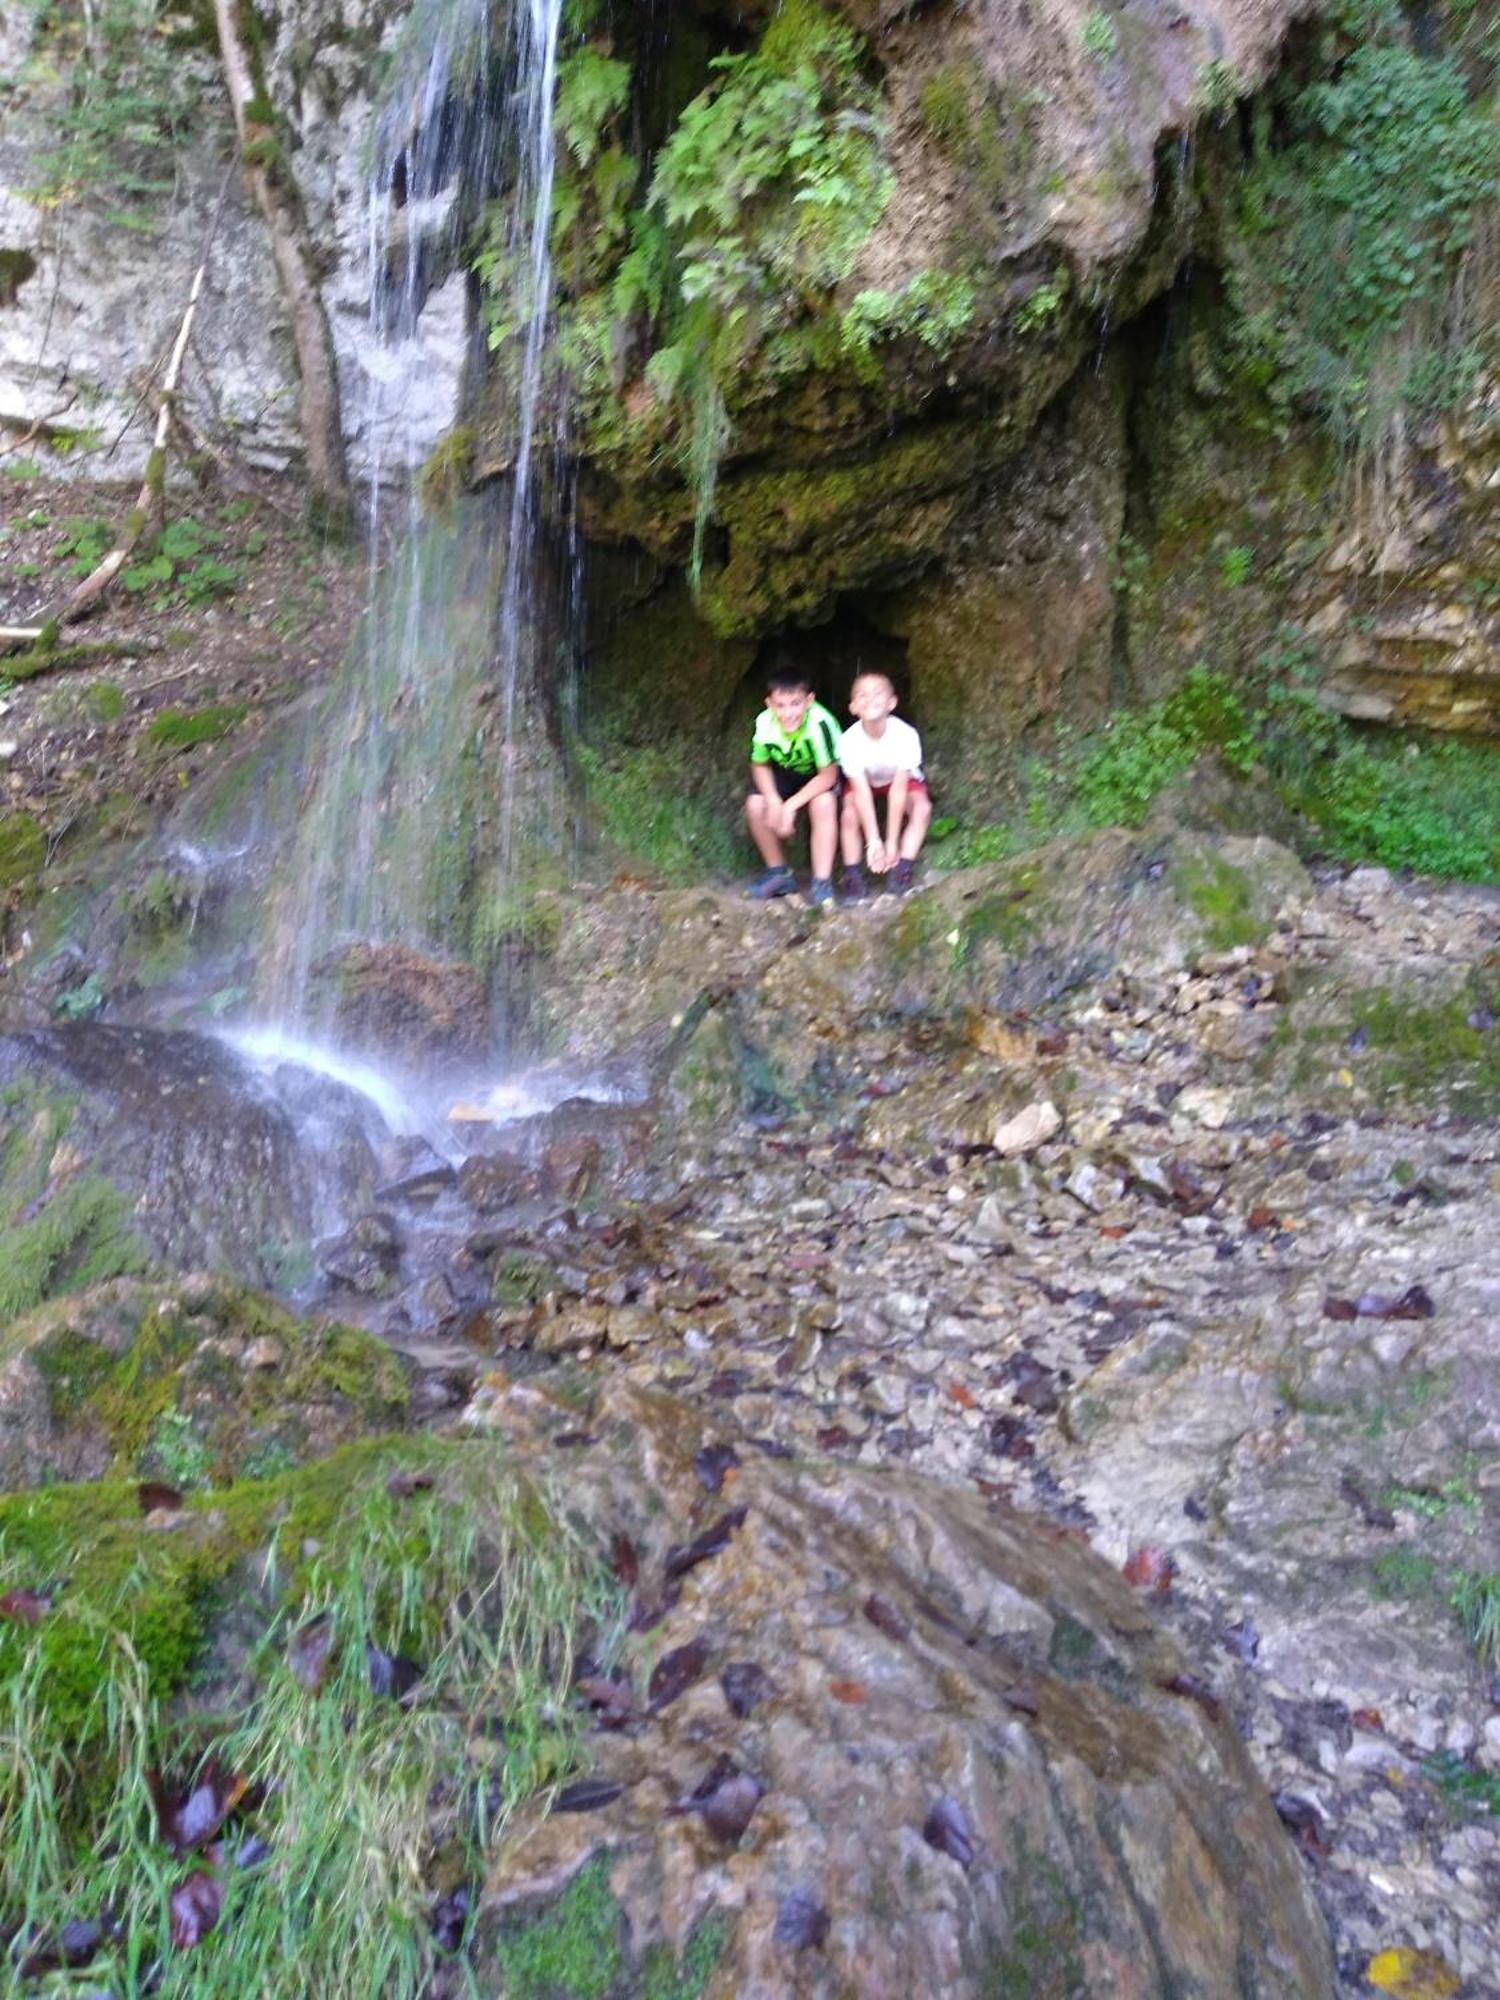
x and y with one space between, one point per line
819 892
901 877
852 889
774 882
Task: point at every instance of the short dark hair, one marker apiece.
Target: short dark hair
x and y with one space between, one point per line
788 680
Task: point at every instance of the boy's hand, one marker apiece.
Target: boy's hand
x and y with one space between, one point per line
786 820
877 857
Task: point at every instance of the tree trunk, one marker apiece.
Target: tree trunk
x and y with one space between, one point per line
275 191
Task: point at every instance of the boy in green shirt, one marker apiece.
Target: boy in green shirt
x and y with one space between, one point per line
793 765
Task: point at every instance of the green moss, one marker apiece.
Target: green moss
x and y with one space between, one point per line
662 1978
571 1952
991 135
1222 897
787 528
449 466
1006 920
116 1580
1074 1650
158 1385
1420 1050
645 813
348 1362
23 852
181 729
105 700
59 1233
1041 1955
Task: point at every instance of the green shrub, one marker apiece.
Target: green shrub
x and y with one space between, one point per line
1350 237
1431 805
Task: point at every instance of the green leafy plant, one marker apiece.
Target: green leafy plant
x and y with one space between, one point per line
592 90
82 542
767 187
935 307
1237 566
132 102
183 568
1043 305
1462 1786
80 1002
1351 235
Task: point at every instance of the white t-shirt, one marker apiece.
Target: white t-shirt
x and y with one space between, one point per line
878 758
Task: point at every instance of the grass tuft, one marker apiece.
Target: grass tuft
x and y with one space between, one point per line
369 1808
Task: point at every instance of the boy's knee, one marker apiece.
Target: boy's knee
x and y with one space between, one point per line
822 807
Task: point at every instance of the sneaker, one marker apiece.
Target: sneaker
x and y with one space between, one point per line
901 877
852 889
774 882
819 892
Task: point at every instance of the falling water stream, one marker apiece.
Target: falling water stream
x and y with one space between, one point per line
408 831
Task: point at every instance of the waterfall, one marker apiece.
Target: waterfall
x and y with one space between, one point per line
407 835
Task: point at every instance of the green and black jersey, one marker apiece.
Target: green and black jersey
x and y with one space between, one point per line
813 748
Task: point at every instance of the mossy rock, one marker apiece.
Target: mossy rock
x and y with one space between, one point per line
62 1226
1419 1044
578 1949
194 1382
23 850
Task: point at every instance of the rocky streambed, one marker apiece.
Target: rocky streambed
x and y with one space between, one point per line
1028 1355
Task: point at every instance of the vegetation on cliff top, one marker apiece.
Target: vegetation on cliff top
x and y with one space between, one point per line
719 264
1349 238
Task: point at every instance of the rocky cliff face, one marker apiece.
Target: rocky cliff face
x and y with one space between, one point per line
964 391
94 279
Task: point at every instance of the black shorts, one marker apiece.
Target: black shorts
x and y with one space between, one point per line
789 783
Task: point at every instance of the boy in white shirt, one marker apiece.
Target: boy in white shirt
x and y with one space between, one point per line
881 759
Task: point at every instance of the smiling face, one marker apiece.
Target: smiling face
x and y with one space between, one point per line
871 700
789 706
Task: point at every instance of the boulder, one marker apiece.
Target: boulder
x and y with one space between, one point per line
189 1382
886 1738
417 1012
202 1159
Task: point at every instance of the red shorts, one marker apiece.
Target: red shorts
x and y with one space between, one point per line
916 788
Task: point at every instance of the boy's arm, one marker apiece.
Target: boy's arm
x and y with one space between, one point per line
820 781
895 811
864 805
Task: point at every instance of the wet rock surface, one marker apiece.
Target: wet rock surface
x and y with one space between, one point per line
220 1163
895 1739
1231 1322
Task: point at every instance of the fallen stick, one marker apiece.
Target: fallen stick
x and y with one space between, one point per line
45 655
151 498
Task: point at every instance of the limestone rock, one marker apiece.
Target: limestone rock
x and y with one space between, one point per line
960 1703
1029 1129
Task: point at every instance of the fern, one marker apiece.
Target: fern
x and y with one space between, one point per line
592 90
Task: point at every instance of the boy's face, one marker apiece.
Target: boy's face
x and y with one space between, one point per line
872 699
789 706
